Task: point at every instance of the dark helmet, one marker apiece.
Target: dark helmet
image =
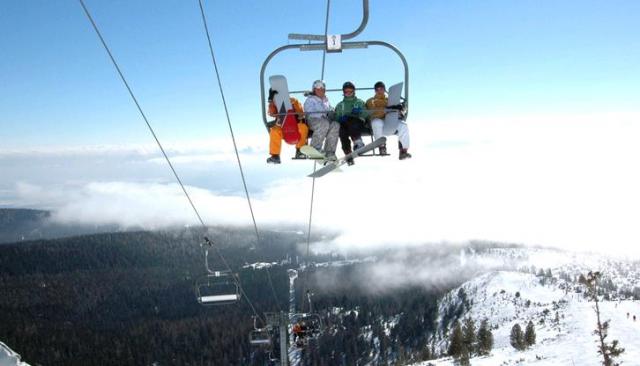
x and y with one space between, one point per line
348 85
379 84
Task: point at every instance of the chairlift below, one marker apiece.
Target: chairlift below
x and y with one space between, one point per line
308 325
260 338
217 288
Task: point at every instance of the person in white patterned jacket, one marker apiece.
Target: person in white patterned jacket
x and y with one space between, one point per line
319 114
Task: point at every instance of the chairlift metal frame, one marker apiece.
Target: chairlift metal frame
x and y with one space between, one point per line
216 280
325 46
261 337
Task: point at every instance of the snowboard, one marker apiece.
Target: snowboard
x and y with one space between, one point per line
392 117
333 165
311 152
286 113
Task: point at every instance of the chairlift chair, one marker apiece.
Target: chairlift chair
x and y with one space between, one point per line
333 44
260 338
312 321
217 288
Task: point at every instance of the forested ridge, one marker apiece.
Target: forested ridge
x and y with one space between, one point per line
128 299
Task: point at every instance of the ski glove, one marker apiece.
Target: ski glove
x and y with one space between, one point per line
343 119
356 110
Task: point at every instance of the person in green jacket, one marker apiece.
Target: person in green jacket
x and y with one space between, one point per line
351 114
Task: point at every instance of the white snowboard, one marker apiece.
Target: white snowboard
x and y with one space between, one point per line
281 99
334 165
392 118
311 152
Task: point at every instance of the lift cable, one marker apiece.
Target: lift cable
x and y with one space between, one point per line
115 64
313 182
235 146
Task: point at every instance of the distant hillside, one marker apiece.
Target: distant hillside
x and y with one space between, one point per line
16 223
128 298
25 224
554 301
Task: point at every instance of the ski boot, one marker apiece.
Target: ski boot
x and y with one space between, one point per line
382 149
404 154
358 144
273 159
300 155
330 158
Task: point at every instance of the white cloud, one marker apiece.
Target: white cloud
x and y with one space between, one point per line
566 181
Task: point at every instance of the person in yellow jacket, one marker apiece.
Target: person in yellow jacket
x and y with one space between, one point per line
377 106
275 132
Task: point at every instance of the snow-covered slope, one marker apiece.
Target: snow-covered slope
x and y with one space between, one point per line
564 320
9 358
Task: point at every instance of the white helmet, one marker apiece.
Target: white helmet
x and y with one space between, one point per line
318 84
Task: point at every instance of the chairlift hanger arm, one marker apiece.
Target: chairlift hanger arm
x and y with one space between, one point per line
321 37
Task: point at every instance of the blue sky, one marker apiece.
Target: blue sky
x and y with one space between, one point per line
489 58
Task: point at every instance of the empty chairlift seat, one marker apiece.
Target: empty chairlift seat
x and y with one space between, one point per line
217 288
260 338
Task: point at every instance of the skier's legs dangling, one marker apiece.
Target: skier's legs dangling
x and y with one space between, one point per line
303 129
320 129
344 138
376 127
403 134
331 141
275 140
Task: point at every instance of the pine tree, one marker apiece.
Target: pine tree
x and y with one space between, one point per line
485 338
469 335
548 273
517 338
530 334
465 357
608 351
582 279
456 340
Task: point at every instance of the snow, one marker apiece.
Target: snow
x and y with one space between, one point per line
571 343
567 341
260 265
346 262
9 358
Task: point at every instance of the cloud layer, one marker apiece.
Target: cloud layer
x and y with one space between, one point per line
567 181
